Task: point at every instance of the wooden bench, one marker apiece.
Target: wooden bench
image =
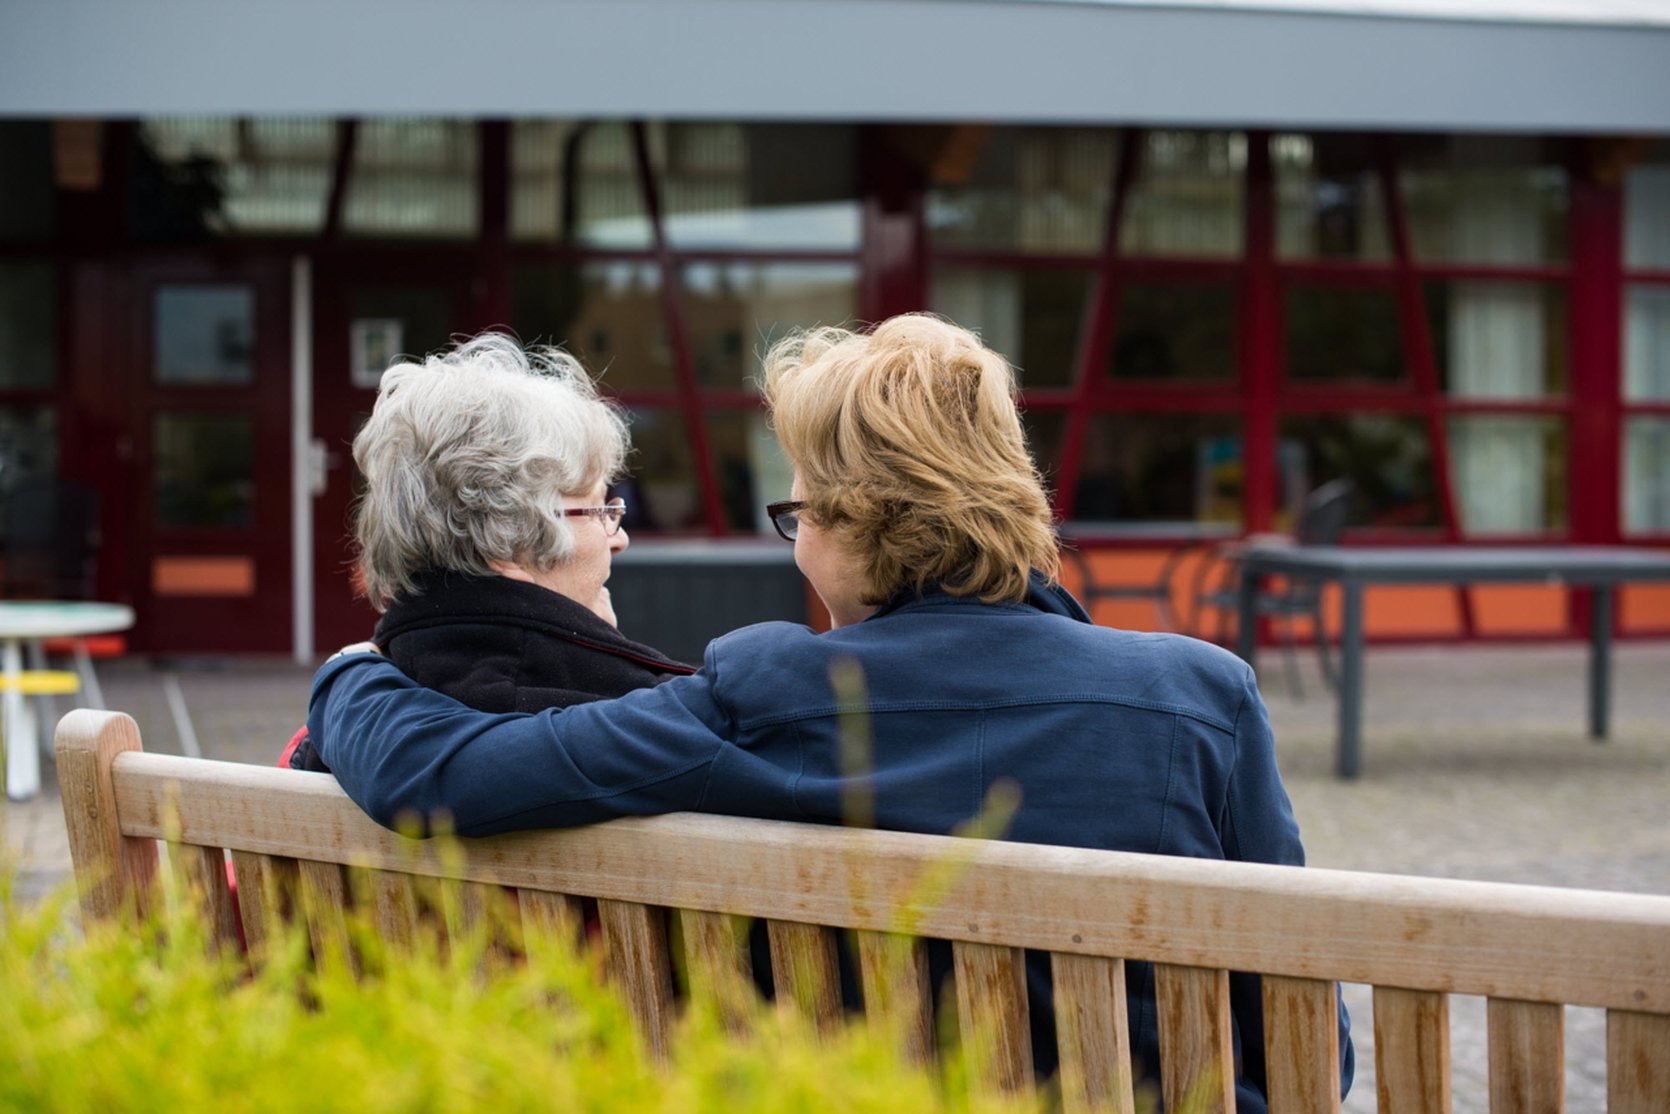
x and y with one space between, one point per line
1528 949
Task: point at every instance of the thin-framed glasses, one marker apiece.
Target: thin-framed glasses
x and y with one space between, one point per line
609 514
786 517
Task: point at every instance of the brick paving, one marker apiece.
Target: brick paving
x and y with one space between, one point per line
1475 766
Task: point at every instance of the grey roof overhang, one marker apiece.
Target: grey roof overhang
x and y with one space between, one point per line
1561 66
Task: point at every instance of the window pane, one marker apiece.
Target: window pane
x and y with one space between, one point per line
413 178
751 467
1647 343
1174 331
1647 476
28 445
662 492
1044 431
1183 468
735 311
1484 199
28 326
754 186
205 335
608 315
1510 473
1498 339
205 470
421 320
1647 210
1388 457
1031 316
1328 197
1343 334
1025 189
28 202
1187 197
203 175
576 182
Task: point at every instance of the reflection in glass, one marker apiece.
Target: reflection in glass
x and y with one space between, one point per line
576 182
1344 334
1026 189
1328 198
1484 199
1498 339
751 467
1044 431
424 314
28 200
205 335
1182 468
1647 475
1510 473
1030 316
758 186
661 492
225 176
28 445
28 326
1647 343
413 177
606 314
735 311
1647 210
1187 199
205 470
1388 457
1174 331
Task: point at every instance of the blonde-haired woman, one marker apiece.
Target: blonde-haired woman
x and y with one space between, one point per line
920 520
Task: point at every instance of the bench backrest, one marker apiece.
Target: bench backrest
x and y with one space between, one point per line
1528 949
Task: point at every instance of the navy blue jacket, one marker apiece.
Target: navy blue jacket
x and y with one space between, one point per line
1117 740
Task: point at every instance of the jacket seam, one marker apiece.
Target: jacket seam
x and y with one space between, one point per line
1031 701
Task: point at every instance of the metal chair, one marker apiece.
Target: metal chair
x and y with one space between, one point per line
1322 519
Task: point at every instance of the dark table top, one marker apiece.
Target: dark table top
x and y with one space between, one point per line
1462 563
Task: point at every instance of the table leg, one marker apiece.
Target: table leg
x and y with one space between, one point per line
23 756
1600 661
1349 757
1246 622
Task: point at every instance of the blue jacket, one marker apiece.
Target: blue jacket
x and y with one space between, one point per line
1117 740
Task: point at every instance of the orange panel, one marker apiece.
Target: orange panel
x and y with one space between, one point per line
1645 609
1520 609
203 576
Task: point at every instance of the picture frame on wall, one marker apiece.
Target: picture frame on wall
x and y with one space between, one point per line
375 342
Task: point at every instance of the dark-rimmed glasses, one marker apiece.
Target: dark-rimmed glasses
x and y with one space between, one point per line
609 514
786 517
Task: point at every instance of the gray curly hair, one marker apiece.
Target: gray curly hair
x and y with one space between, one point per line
467 456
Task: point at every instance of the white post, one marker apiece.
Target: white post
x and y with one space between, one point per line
301 458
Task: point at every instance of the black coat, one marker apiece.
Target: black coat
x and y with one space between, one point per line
501 645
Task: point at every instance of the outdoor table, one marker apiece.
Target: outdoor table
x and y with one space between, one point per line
1598 568
23 621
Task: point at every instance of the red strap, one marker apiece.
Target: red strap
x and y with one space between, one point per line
295 741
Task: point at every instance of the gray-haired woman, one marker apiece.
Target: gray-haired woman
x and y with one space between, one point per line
485 535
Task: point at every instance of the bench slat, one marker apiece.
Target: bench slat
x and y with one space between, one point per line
1412 1051
1637 1062
1197 1055
1308 923
1527 1057
894 974
111 867
394 905
1093 1034
205 869
638 960
324 901
992 1014
805 970
552 924
716 963
266 897
1301 1045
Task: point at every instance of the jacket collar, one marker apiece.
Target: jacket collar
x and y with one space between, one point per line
1041 595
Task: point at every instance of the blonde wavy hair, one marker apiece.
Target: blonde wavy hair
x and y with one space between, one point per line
909 450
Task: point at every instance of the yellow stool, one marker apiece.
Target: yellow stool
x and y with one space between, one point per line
43 682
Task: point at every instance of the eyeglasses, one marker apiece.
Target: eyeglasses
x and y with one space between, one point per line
786 517
609 514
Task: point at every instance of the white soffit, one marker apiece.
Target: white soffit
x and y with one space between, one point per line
1440 65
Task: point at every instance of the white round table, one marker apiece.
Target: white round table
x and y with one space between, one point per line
24 621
